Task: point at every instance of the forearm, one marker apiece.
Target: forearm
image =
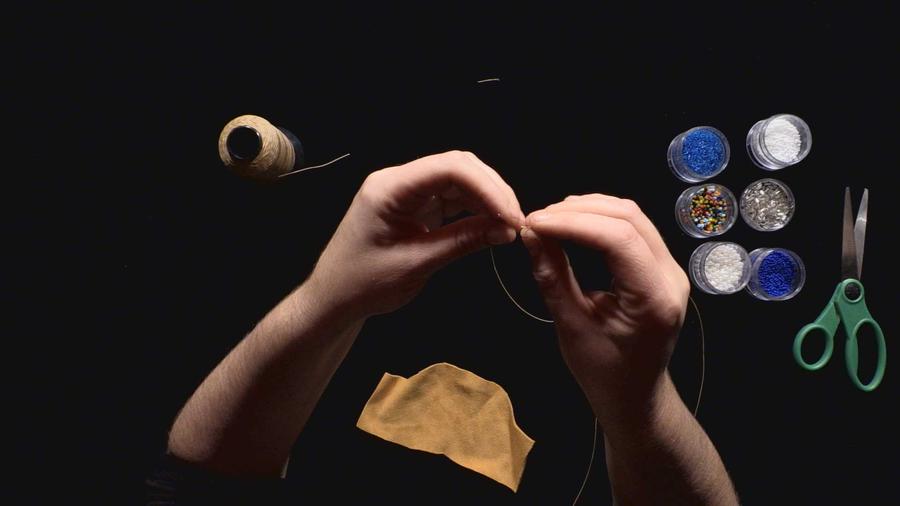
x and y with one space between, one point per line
665 457
246 415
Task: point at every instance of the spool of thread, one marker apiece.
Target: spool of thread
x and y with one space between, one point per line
252 147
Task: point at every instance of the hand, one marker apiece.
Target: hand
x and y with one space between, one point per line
617 343
393 237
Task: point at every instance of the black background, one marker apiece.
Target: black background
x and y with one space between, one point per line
137 261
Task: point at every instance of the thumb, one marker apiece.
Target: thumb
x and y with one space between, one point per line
553 274
468 235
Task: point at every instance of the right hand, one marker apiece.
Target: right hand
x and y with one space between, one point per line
617 343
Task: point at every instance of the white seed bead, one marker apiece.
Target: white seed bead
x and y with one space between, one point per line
723 268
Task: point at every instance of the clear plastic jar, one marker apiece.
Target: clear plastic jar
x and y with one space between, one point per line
698 154
706 210
767 205
720 267
779 141
775 274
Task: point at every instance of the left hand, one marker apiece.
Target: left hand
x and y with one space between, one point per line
393 237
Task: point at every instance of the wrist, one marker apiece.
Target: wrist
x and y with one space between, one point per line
324 296
641 418
308 318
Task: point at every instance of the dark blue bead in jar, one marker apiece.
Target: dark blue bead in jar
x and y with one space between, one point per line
775 274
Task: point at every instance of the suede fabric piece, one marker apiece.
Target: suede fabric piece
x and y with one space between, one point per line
453 412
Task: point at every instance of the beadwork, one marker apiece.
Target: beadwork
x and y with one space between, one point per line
709 210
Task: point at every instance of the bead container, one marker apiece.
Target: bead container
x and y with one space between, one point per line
706 210
778 141
767 205
720 267
698 154
775 274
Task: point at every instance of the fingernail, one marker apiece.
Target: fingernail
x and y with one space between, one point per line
520 215
531 240
500 234
538 216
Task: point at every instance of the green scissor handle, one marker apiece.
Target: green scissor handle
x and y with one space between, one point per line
853 313
827 324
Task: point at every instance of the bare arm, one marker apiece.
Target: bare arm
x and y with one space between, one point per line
244 418
665 458
618 344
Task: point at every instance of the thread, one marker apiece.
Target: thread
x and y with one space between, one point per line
275 154
503 286
304 169
702 356
587 473
489 80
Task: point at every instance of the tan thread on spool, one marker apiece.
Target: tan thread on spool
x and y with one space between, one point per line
275 157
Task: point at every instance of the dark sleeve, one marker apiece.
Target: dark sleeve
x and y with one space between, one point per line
176 482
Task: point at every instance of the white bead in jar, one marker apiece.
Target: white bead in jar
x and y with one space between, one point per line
778 141
719 267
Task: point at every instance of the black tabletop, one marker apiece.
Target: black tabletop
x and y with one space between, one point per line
139 261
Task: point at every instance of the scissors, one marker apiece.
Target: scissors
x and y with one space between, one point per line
847 305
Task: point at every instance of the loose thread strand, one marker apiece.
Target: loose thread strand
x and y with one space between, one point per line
304 169
587 473
702 356
503 286
492 79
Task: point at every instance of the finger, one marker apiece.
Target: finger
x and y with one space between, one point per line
626 209
409 187
434 212
503 184
462 202
630 260
451 193
439 209
454 207
623 209
554 276
454 240
430 214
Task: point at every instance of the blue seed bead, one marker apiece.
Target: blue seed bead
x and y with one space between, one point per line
703 151
777 273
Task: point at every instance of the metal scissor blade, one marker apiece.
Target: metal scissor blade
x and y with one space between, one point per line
859 231
849 266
